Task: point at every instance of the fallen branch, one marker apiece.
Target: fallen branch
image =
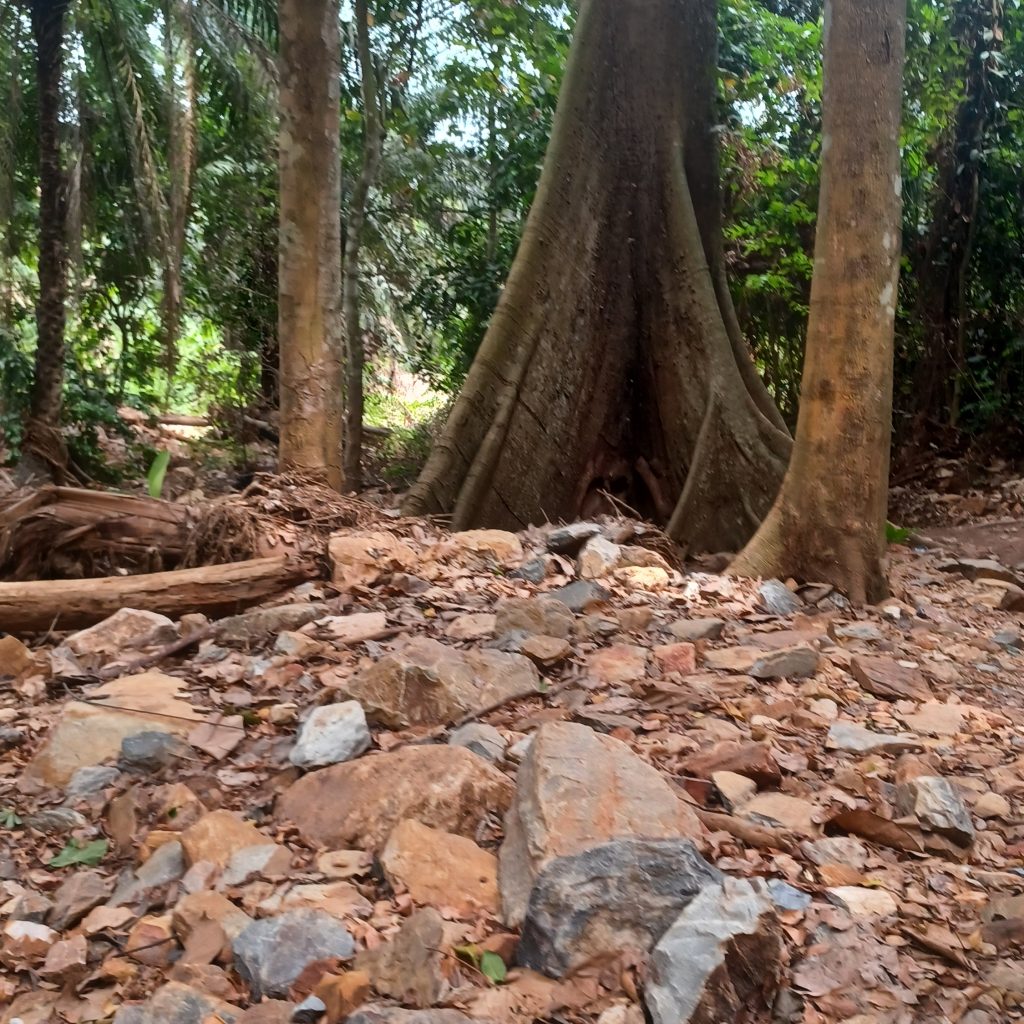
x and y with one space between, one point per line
215 590
760 836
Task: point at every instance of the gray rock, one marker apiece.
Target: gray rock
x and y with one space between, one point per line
981 569
90 780
1008 638
175 1003
621 895
867 631
598 557
856 739
936 805
482 739
720 960
55 821
309 1011
331 734
151 751
270 954
789 663
533 571
567 540
11 738
778 599
580 594
538 616
786 896
408 968
510 642
79 894
31 906
167 865
376 1013
691 630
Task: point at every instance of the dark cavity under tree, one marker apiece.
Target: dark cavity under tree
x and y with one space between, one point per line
614 359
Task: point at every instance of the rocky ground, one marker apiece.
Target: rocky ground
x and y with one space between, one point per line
514 778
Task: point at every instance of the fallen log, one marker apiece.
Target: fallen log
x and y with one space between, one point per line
215 590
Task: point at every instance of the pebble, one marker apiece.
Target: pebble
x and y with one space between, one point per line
331 734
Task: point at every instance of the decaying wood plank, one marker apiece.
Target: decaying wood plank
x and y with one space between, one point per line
212 589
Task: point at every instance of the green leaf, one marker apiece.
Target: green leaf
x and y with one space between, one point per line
896 534
8 818
493 967
90 855
156 474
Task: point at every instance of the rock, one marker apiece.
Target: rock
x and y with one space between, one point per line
981 568
533 571
55 821
866 631
789 812
440 868
16 658
1007 638
218 835
151 751
167 865
863 902
483 740
856 739
598 558
540 616
992 805
720 960
620 663
778 599
545 651
359 803
754 760
578 789
427 683
635 620
151 942
90 780
579 595
735 790
692 630
787 897
273 1011
360 559
31 906
836 850
266 860
408 968
567 540
620 896
485 545
351 629
270 954
79 894
681 658
937 806
474 626
797 662
888 679
11 738
936 719
88 734
123 629
331 734
175 1003
372 1013
297 645
196 907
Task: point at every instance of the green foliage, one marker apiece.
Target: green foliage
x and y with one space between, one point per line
156 474
489 964
87 855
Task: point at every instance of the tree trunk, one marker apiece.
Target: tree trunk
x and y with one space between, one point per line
43 451
355 357
609 364
309 276
828 522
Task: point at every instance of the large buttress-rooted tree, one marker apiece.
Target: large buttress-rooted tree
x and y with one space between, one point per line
43 451
309 278
614 359
828 522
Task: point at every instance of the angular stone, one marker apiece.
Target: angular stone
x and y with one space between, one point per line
620 663
692 630
268 860
567 540
981 569
618 897
533 571
937 806
778 599
440 868
351 629
579 595
408 968
125 628
88 734
754 760
788 663
165 866
90 780
331 734
270 954
543 616
79 894
474 626
545 651
866 631
485 545
888 679
196 907
17 660
790 812
598 558
360 559
273 1011
578 789
427 683
297 645
151 751
720 961
681 658
936 719
836 850
483 740
735 790
175 1003
359 803
992 805
217 835
856 739
863 902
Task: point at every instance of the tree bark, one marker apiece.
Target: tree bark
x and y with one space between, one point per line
355 357
828 522
609 361
309 276
43 450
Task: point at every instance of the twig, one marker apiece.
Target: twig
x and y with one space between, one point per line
753 835
116 668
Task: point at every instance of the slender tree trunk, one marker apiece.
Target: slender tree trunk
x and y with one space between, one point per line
43 451
355 357
828 522
609 363
309 275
